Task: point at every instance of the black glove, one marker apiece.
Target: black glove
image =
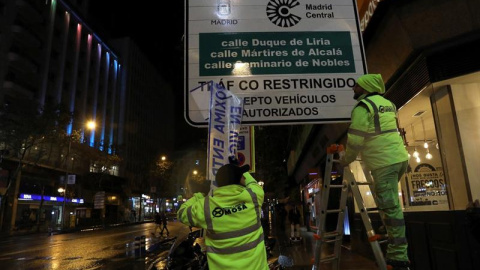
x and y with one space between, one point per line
233 160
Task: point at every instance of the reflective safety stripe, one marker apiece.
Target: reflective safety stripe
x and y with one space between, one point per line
366 134
189 215
255 202
180 213
376 122
397 241
358 132
389 130
394 222
206 213
376 117
227 235
237 249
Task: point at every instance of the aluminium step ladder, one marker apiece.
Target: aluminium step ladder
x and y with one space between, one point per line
335 237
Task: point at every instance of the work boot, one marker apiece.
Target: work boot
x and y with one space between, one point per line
398 265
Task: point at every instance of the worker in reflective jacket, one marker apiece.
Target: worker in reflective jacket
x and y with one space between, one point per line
373 133
231 216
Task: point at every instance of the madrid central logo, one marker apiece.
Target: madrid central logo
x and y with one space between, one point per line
279 12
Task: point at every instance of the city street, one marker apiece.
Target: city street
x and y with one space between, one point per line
100 249
113 248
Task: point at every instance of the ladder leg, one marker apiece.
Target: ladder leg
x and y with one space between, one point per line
321 203
340 225
377 251
370 180
323 237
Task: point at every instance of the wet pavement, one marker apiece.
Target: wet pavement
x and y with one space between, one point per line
302 252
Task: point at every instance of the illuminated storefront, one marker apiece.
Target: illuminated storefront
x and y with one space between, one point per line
427 53
51 212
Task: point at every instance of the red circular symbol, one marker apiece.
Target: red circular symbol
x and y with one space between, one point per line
241 159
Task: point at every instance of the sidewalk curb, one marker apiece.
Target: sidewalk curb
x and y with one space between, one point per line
5 235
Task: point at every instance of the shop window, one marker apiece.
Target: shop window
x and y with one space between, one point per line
466 101
424 187
441 125
457 110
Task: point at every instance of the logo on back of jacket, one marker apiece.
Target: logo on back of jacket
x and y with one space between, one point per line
383 109
229 210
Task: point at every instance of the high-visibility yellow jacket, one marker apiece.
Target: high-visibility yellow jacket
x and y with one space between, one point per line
234 235
374 133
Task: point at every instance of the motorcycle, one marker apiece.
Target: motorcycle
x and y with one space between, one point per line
186 253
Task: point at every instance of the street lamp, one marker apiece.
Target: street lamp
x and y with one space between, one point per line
162 165
90 125
65 181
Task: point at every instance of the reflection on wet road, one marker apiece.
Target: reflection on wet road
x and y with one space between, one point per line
113 248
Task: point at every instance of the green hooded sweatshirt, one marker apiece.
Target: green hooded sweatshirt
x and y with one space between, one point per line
373 132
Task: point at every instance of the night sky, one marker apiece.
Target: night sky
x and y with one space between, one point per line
157 31
157 28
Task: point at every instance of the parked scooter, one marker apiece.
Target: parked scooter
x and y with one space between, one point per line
186 253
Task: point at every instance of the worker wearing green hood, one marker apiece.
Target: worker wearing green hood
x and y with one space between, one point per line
373 133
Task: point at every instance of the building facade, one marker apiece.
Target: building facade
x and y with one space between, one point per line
427 52
50 55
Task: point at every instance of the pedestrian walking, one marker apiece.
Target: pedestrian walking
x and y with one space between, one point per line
308 215
374 134
231 216
134 215
163 220
281 216
294 218
158 223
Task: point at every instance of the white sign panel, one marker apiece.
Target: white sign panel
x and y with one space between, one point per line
245 148
224 129
292 61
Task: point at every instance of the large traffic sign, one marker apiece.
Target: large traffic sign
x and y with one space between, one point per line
291 61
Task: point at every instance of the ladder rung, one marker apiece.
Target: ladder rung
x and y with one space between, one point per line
374 238
363 183
329 258
332 240
380 238
331 234
335 237
328 235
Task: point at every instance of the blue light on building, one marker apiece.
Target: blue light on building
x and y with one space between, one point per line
36 197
